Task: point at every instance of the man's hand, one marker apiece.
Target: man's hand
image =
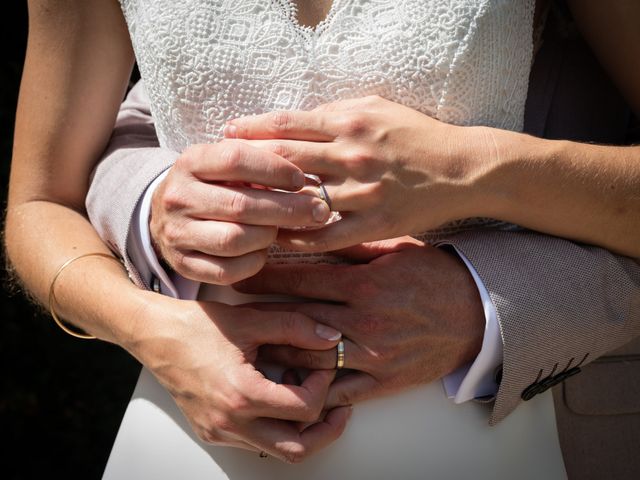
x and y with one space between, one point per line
204 354
214 216
408 317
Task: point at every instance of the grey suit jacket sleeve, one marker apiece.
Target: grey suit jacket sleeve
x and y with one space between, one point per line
131 162
559 305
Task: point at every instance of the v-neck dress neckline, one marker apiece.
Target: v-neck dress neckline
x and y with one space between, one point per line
289 9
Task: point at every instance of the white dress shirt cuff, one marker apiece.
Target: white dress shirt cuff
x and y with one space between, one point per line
477 379
144 257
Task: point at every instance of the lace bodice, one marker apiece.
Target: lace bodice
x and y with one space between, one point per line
207 61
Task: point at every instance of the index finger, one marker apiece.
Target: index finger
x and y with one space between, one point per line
231 161
294 125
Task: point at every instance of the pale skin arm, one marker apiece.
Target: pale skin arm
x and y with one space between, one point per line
594 190
78 63
393 171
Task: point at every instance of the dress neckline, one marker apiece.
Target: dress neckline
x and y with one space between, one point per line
289 9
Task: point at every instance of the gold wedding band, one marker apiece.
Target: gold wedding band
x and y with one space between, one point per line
340 355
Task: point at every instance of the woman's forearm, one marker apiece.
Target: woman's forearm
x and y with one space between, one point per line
395 171
93 294
585 192
77 65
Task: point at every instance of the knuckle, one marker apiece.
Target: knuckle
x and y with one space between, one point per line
230 156
217 428
222 276
280 149
281 121
238 403
238 205
209 436
344 398
355 124
184 266
186 161
230 239
359 160
188 268
311 413
179 262
370 325
224 425
171 235
242 268
172 197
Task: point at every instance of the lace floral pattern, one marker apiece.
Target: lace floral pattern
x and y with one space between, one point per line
205 62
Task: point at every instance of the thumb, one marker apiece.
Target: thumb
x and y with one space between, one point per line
365 252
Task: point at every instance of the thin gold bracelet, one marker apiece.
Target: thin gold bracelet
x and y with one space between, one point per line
52 295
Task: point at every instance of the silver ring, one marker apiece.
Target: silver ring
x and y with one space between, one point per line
324 195
322 191
340 355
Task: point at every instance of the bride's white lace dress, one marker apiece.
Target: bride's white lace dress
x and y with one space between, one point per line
465 62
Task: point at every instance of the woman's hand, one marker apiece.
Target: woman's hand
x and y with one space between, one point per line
213 217
204 354
389 170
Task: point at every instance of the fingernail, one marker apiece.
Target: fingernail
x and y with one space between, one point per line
328 333
298 180
230 131
321 212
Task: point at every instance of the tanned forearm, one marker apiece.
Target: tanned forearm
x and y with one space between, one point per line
76 69
585 192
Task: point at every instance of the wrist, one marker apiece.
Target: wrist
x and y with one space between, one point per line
473 318
149 334
510 179
488 153
468 156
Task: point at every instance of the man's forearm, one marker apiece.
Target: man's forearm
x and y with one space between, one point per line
130 164
560 305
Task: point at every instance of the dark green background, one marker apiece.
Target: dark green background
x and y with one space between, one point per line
61 399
